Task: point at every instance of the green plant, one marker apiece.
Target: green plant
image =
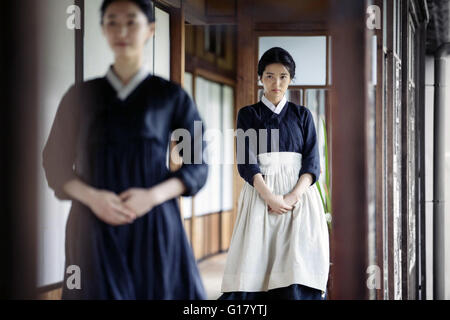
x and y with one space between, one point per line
325 194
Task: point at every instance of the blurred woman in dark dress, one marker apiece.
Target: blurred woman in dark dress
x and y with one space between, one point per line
107 152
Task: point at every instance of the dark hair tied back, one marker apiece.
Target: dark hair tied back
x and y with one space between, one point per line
276 55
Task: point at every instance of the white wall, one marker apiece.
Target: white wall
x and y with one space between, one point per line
56 74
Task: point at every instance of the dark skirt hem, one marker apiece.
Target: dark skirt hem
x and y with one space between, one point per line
292 292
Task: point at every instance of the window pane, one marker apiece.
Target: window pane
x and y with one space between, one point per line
216 106
295 96
228 147
162 44
329 62
187 85
309 53
208 98
315 101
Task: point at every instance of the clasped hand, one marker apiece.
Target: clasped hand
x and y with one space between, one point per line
123 208
280 204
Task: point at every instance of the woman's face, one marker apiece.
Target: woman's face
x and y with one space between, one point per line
126 29
276 79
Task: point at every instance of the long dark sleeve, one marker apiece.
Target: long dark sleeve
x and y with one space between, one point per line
193 173
310 152
247 163
60 149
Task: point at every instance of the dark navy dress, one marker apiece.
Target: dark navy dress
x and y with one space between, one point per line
114 144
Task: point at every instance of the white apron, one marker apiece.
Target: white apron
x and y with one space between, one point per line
268 250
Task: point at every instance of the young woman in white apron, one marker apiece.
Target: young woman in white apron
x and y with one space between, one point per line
279 247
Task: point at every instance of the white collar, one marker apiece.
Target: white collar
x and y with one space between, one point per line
123 91
277 109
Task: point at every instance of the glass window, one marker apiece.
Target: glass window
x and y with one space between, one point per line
161 63
208 98
329 61
216 106
309 53
214 39
228 147
315 101
188 84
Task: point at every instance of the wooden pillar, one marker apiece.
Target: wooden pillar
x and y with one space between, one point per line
177 62
245 73
349 143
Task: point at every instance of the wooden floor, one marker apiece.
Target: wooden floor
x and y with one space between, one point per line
211 270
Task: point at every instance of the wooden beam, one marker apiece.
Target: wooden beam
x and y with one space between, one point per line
209 70
177 49
349 143
246 74
246 44
303 27
212 76
193 14
230 20
220 8
170 3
